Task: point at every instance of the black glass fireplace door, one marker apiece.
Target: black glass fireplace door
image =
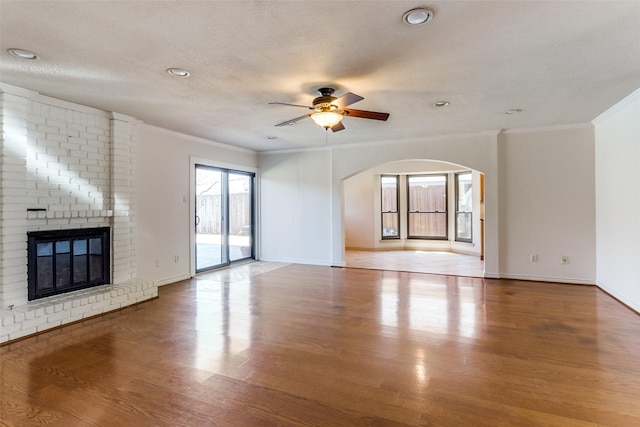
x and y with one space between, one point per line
65 260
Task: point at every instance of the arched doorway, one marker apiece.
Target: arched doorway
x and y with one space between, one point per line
415 215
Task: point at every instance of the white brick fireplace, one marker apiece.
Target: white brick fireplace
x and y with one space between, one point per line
64 166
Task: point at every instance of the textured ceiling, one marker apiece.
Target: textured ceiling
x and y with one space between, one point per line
561 62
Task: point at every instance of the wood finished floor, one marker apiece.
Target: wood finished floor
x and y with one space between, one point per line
295 345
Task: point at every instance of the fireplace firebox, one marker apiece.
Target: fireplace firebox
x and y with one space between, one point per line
62 261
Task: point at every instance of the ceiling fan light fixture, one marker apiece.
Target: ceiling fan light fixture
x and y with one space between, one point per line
417 16
21 53
327 119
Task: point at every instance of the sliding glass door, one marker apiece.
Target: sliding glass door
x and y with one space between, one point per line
240 215
223 216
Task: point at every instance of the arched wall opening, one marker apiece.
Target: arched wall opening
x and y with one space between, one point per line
362 208
478 152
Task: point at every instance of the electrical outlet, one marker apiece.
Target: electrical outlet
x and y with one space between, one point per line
564 259
533 257
176 259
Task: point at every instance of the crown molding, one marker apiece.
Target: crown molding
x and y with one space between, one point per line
197 139
632 97
491 133
546 128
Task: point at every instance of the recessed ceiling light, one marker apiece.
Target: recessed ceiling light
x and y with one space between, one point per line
441 103
178 72
513 111
21 53
272 137
420 15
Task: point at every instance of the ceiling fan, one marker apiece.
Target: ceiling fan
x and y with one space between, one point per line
328 111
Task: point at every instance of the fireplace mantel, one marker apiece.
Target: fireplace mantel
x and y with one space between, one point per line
58 214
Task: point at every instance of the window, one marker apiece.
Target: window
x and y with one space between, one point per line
464 206
427 201
389 207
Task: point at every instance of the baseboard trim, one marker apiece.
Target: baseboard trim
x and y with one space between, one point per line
547 279
172 280
298 261
622 300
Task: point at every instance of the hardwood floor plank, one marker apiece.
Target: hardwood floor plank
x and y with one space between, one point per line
352 408
303 345
444 409
21 409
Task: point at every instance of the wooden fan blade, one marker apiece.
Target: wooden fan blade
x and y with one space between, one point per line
288 122
292 105
375 115
347 99
337 127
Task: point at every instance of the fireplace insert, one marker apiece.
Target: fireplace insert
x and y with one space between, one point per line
62 261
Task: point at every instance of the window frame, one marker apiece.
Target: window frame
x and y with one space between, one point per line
445 212
396 212
457 208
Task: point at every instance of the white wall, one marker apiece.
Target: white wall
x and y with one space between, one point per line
617 147
163 192
306 224
539 190
296 207
548 204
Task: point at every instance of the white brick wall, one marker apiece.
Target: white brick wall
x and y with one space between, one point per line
68 159
122 187
76 163
13 227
